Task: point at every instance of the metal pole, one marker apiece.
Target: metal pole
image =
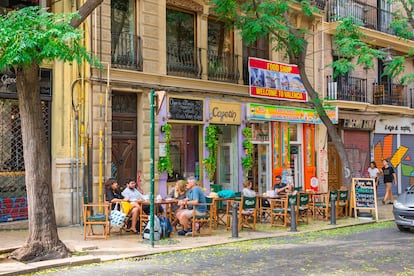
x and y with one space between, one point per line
235 221
333 211
152 129
293 216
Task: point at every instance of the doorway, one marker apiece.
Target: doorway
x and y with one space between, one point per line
124 137
296 165
335 168
263 177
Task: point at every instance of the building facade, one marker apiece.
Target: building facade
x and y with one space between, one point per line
199 71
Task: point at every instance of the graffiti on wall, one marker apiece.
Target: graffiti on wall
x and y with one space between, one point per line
385 147
13 209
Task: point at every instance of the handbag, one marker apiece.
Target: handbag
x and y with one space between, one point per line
117 217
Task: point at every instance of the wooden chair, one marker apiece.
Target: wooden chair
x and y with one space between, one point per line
264 210
247 212
342 203
322 207
303 208
96 214
203 219
280 215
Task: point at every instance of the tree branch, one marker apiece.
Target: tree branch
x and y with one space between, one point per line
84 11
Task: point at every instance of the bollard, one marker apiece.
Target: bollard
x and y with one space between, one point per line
293 216
235 221
333 211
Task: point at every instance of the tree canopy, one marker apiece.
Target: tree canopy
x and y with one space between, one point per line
32 36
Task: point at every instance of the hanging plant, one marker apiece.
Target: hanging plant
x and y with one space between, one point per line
164 163
212 140
247 160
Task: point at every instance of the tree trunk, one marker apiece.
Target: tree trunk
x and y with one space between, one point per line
43 242
332 130
85 11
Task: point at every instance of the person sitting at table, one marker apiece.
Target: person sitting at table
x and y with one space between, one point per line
247 190
131 195
178 193
281 188
194 196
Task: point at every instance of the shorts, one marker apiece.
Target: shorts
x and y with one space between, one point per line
189 213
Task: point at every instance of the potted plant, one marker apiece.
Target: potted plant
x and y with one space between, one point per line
164 163
247 160
212 140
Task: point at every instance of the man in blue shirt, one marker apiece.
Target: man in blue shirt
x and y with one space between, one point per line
194 196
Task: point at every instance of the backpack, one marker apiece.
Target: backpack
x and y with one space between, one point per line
166 227
157 230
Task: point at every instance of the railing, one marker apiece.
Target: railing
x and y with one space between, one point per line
394 94
346 88
184 61
222 67
371 16
126 51
320 4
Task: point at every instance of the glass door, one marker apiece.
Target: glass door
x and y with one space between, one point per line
296 165
225 166
263 172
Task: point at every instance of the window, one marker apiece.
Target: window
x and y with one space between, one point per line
125 44
182 57
259 49
222 65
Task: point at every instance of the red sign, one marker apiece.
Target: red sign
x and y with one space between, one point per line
275 81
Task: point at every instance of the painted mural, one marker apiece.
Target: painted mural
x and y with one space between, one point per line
385 146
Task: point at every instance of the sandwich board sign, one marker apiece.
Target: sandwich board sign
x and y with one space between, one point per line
364 195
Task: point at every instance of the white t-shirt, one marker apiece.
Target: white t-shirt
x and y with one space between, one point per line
373 172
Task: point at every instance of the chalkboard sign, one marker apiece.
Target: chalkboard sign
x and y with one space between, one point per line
185 109
364 194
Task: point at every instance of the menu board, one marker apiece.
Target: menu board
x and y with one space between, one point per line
364 194
185 109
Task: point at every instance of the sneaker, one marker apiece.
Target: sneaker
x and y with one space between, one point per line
189 232
182 232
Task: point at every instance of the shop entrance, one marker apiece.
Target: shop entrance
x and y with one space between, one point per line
227 159
262 172
296 165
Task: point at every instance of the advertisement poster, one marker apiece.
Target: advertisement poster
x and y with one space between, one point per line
274 80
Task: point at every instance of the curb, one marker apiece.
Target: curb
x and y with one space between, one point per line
17 268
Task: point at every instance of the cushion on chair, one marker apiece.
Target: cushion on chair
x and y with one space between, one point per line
97 217
278 210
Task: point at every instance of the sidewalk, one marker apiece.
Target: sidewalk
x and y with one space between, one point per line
129 245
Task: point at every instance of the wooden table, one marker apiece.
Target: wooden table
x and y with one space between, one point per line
143 217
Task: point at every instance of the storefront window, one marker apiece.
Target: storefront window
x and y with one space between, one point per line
293 132
260 131
184 151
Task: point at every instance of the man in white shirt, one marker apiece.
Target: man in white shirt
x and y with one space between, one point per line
131 194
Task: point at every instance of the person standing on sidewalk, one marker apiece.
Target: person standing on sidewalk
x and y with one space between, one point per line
374 173
389 175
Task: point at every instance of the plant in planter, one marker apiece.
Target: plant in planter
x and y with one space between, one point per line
247 160
212 140
164 163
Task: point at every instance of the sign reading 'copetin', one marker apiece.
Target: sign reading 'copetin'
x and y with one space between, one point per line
275 81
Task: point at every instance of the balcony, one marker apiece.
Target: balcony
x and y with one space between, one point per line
320 4
222 67
394 94
184 61
126 52
370 16
345 88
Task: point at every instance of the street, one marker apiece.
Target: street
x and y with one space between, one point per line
373 249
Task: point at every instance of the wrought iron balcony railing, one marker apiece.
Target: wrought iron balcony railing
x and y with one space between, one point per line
345 88
320 4
222 67
393 94
371 16
126 51
184 61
